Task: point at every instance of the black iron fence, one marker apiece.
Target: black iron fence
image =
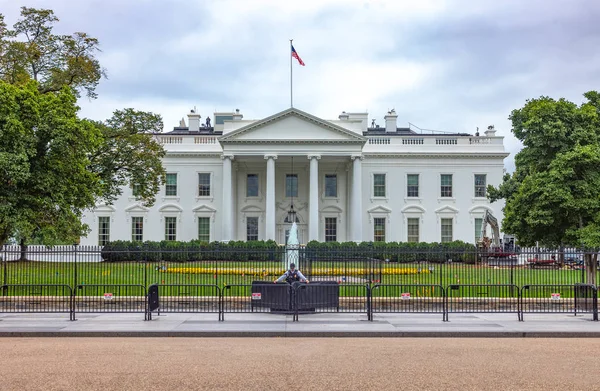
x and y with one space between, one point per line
359 279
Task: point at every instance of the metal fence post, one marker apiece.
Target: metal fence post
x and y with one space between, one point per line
74 289
5 272
595 303
369 304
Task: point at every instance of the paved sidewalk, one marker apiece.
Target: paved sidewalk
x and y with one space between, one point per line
312 325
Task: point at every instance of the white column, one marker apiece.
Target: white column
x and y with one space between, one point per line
270 198
356 207
313 200
227 207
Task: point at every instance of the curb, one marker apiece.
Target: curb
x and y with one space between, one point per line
301 334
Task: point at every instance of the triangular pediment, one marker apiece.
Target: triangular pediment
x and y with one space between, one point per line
447 209
379 209
204 209
136 208
292 126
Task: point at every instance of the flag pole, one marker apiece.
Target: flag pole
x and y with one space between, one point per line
291 72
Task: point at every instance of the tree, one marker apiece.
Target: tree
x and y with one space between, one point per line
54 165
32 51
552 197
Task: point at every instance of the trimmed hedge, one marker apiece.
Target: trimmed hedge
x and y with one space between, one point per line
457 251
168 251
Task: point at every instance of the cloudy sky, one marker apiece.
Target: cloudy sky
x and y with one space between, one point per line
450 65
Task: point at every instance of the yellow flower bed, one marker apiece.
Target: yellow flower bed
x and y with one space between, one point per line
278 271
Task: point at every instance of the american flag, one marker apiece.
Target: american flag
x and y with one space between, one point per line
296 56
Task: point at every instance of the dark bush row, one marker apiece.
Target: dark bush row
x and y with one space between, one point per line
120 251
168 251
457 251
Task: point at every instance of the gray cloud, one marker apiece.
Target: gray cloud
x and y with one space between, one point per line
452 66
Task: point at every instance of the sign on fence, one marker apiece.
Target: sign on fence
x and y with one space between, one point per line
406 296
256 296
556 296
108 296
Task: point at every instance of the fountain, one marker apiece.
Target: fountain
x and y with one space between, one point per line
292 248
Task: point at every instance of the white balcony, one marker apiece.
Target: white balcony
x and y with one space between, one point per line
433 144
189 143
429 144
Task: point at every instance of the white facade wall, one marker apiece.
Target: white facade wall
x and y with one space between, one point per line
299 135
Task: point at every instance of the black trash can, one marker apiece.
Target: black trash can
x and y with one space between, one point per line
153 299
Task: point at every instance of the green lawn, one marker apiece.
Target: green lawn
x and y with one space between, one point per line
90 275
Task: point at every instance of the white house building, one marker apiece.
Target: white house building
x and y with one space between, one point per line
237 179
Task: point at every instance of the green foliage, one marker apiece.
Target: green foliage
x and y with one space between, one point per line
195 250
552 197
393 251
53 165
128 155
32 51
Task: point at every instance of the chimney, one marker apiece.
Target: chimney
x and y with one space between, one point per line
237 116
344 116
390 121
490 132
194 121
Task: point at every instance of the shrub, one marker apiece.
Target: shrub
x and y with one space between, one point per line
195 250
402 252
120 251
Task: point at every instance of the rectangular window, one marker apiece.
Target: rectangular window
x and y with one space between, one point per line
480 185
446 185
252 185
379 229
412 230
446 230
291 185
204 229
171 186
331 185
378 185
203 184
103 230
331 229
412 185
135 190
171 228
251 228
478 226
137 229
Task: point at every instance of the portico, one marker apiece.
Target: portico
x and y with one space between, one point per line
304 161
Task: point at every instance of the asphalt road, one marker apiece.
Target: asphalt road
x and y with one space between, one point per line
298 364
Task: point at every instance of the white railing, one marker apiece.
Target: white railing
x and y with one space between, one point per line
205 140
412 141
379 140
480 140
436 141
171 140
446 141
189 140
